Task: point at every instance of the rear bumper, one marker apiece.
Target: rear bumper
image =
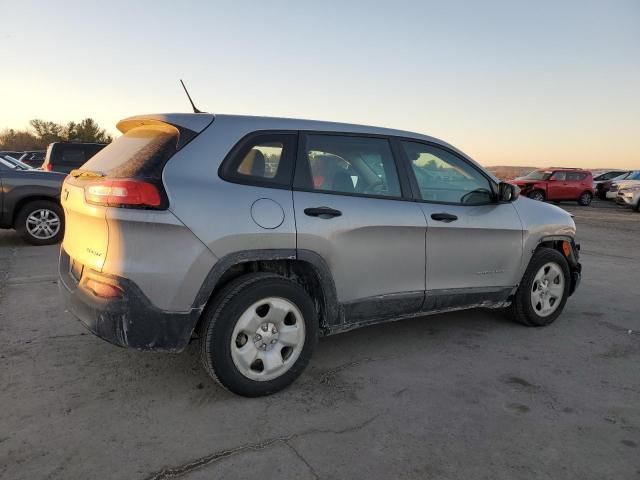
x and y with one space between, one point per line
131 321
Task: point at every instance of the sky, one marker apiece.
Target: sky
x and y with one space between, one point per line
508 82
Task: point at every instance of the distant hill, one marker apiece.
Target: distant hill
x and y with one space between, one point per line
509 173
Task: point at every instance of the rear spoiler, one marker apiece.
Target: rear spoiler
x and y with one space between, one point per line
188 124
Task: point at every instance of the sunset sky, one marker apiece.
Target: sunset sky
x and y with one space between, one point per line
509 82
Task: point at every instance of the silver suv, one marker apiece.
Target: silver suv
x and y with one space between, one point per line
258 235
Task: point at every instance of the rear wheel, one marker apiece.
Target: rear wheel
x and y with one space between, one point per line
585 199
537 195
543 291
258 334
40 222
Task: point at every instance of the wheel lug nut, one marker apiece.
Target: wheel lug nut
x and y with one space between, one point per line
258 337
265 327
274 330
273 341
263 347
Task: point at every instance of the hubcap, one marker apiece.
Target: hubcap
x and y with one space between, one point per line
267 339
43 224
547 289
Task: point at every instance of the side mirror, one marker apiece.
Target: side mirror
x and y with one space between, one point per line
508 192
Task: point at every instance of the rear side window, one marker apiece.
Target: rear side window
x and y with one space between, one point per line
263 159
141 152
349 165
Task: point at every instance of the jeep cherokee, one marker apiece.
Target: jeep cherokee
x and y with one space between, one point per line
258 235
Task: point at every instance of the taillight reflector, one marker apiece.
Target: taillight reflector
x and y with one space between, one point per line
122 193
48 167
103 290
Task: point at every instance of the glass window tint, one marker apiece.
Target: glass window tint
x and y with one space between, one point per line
73 156
262 160
559 176
351 165
445 177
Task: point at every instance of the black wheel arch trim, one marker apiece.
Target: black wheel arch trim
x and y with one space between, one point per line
332 312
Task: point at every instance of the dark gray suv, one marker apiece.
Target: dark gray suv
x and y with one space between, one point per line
30 203
258 235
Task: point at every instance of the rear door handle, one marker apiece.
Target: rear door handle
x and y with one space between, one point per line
322 212
444 217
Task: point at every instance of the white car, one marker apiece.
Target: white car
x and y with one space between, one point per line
629 197
629 181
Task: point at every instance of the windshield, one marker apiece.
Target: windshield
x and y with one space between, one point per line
17 163
538 175
138 153
7 163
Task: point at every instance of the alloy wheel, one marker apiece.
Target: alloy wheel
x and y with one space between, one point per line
43 224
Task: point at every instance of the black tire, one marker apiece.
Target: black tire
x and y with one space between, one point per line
31 207
637 207
537 195
602 195
521 309
220 319
585 199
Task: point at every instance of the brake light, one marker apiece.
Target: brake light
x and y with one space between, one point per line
122 193
48 167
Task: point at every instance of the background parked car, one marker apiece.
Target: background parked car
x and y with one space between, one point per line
604 175
30 203
557 184
633 178
603 187
66 156
629 197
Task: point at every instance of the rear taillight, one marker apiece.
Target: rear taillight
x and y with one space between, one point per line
48 167
122 193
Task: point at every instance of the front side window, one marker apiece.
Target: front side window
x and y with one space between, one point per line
559 176
444 177
350 165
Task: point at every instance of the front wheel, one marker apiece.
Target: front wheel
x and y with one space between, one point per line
537 195
544 289
258 334
585 199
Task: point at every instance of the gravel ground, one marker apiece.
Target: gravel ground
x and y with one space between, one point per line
462 395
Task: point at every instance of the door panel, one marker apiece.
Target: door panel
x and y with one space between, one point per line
375 247
474 244
482 248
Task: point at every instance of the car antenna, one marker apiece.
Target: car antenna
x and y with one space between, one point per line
195 110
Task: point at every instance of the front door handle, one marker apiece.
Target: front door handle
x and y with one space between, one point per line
444 217
322 212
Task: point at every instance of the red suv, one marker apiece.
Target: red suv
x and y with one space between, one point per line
557 184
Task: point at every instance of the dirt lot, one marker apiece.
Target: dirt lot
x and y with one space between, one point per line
464 395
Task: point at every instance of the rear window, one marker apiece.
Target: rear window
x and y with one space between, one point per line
141 152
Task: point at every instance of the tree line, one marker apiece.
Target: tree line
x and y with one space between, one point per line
41 133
